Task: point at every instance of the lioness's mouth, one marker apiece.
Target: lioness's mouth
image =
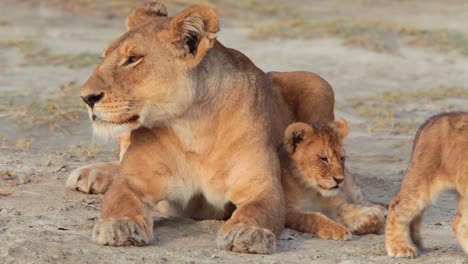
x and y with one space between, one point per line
329 188
125 121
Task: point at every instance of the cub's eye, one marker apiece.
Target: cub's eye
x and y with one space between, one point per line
323 158
132 59
343 159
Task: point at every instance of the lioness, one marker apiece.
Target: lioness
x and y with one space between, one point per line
439 162
204 124
313 179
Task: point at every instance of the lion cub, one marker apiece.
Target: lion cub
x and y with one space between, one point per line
317 186
439 162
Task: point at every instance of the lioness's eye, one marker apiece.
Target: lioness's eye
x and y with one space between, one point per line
343 158
132 59
323 158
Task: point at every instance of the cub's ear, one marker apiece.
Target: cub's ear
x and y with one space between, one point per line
295 134
341 126
194 31
144 13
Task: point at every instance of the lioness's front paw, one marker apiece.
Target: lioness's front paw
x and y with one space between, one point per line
401 251
94 178
122 232
370 221
334 231
247 239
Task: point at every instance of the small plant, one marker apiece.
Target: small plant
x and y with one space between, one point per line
23 144
87 151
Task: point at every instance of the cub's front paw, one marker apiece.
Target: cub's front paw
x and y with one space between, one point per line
244 238
401 251
94 178
370 221
334 231
122 232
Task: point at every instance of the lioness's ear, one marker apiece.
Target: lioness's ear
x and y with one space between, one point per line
295 134
194 31
145 12
341 126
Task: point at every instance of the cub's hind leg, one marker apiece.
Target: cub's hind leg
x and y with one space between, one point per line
415 231
405 208
460 223
361 220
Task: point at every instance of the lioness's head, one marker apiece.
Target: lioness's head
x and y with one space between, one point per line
146 75
317 154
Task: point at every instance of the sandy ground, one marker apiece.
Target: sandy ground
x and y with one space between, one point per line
42 222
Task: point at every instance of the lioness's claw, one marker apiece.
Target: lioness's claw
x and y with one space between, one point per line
122 232
247 239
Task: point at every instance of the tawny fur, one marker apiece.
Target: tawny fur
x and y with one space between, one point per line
199 125
313 180
438 163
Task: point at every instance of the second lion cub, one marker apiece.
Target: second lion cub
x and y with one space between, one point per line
316 187
438 163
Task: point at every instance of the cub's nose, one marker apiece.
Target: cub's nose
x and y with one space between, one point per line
338 180
92 99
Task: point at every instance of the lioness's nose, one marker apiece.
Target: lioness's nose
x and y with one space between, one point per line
338 180
92 99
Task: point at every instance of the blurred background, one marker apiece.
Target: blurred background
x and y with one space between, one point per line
392 64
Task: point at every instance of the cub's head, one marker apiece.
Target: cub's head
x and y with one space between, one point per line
317 155
147 75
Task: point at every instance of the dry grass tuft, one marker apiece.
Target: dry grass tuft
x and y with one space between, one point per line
376 35
396 111
52 112
36 55
89 151
23 144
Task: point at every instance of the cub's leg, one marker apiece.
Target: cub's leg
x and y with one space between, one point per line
361 220
406 207
259 213
317 224
415 230
97 177
460 223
